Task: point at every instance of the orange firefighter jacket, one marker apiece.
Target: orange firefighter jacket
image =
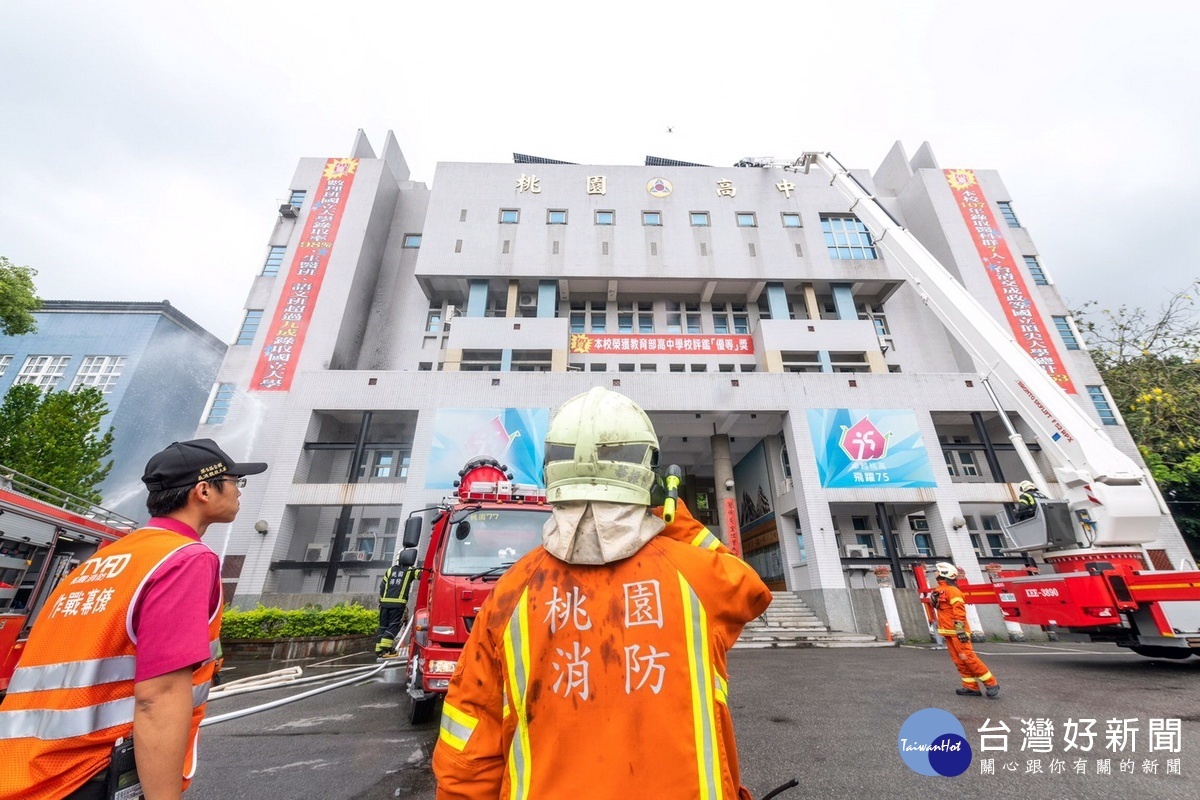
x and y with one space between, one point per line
602 681
950 607
71 697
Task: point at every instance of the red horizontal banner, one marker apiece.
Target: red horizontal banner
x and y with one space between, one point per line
689 344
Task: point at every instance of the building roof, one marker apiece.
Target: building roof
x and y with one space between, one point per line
123 307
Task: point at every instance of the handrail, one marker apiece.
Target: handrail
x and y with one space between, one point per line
23 484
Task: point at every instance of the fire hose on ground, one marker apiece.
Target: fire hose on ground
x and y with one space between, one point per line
293 676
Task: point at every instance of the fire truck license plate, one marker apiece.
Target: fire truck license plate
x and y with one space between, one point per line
1007 597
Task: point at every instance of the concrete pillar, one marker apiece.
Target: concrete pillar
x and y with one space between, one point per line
477 298
810 302
510 305
826 361
777 301
722 479
547 299
843 300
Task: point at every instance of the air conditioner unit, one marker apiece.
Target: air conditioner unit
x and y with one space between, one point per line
316 552
289 211
356 555
858 551
527 301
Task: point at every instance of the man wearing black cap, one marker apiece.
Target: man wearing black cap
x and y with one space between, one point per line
123 648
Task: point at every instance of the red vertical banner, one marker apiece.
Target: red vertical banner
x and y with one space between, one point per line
729 513
1008 283
285 337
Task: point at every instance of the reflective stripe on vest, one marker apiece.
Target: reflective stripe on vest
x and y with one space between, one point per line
516 656
49 724
706 540
704 727
73 674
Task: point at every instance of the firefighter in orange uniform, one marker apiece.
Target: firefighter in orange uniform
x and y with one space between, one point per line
951 609
598 665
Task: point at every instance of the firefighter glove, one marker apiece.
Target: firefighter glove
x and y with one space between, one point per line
960 629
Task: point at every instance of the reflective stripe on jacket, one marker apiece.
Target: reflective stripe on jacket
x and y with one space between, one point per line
606 680
951 608
72 695
393 586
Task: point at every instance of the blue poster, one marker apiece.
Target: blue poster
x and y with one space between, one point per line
753 487
513 436
869 447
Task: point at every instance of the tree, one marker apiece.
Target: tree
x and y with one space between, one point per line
1151 365
55 438
18 299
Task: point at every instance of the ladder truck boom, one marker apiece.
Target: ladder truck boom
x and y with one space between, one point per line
1109 498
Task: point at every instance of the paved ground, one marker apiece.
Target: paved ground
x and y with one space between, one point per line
827 717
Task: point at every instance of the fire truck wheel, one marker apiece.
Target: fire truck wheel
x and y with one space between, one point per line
1155 651
420 711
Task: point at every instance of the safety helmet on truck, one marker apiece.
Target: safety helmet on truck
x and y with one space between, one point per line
946 570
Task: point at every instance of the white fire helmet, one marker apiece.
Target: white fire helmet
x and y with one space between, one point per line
946 570
1026 486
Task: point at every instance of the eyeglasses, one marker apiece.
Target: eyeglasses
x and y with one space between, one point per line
238 482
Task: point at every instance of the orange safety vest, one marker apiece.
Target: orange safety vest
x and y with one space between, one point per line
71 696
606 680
951 608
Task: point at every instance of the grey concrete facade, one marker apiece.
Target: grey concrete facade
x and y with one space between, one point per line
467 294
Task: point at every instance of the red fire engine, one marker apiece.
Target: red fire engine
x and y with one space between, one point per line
478 533
44 534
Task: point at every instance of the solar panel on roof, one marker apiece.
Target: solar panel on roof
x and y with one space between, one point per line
521 158
659 161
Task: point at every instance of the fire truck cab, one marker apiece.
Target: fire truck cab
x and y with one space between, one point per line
477 534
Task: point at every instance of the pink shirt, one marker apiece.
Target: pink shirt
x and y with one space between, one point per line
170 620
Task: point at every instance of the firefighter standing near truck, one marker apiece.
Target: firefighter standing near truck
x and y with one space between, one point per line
951 610
393 600
598 664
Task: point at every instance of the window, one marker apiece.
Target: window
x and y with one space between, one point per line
924 543
556 217
847 238
699 219
860 523
531 361
433 320
4 362
795 361
652 218
918 523
960 462
509 216
790 220
746 220
412 241
101 372
674 319
43 371
1035 269
875 315
480 361
599 367
588 316
1067 332
297 198
995 543
249 326
220 404
625 367
1103 407
606 218
648 367
728 318
677 368
274 260
1009 217
693 317
699 367
635 318
849 362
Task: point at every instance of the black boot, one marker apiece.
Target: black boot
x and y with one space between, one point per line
969 692
993 691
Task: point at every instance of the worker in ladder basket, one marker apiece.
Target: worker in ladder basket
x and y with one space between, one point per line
393 600
951 609
1028 500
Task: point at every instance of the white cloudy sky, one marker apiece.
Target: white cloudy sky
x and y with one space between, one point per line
145 146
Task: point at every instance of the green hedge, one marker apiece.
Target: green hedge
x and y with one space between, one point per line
275 623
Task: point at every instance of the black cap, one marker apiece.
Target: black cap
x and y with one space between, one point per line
187 463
